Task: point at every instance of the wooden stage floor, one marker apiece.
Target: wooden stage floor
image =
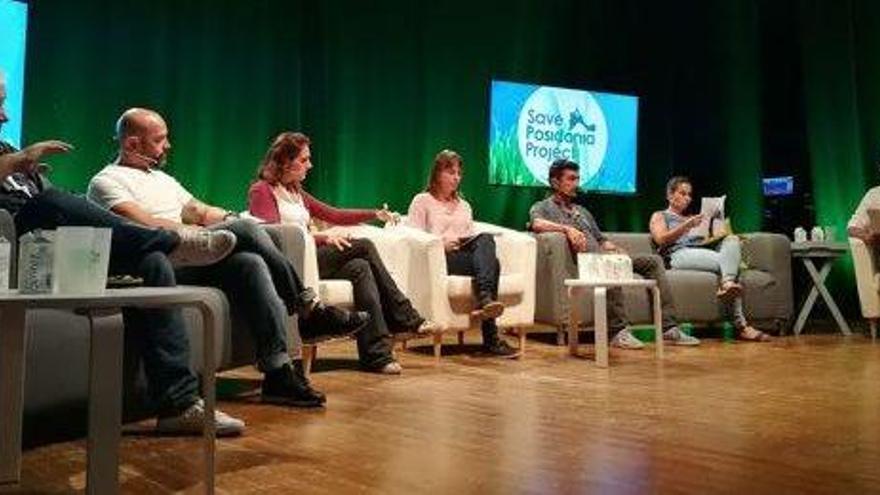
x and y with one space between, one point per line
793 416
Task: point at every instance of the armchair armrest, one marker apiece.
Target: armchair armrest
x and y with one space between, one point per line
866 277
554 264
299 247
7 230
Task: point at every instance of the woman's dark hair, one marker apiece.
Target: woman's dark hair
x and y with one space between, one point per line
673 183
285 147
444 161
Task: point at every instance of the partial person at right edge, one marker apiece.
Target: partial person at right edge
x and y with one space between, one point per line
671 232
441 210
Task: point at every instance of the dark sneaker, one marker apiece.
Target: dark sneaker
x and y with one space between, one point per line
201 247
488 311
329 322
500 348
289 387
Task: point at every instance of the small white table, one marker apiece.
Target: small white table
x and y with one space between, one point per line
825 253
105 372
576 287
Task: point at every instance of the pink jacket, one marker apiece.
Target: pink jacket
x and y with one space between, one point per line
262 204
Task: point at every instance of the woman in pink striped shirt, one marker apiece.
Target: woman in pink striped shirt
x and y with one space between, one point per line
278 196
442 211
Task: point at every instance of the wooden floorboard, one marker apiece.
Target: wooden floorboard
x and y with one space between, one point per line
799 415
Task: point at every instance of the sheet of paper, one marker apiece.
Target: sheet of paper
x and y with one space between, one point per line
711 209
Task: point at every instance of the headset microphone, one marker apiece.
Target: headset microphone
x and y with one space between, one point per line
148 159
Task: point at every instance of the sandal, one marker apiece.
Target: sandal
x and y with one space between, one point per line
729 290
752 334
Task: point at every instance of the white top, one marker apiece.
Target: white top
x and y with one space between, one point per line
156 192
291 207
871 201
450 220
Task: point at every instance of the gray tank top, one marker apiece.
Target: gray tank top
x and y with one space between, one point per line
673 220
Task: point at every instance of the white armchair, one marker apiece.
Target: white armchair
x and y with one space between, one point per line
448 300
339 292
867 281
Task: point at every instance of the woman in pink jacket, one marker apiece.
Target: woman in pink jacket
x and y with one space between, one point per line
278 196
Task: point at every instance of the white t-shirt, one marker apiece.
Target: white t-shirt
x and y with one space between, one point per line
153 190
871 201
291 208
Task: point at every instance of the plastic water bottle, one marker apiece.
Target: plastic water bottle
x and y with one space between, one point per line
728 333
5 263
800 235
817 234
35 263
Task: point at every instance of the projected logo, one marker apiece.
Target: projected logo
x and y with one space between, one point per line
530 126
559 123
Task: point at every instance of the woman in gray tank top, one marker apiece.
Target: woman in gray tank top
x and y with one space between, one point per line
671 231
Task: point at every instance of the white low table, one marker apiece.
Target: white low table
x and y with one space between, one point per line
105 372
576 287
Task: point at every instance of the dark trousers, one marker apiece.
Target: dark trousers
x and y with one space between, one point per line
159 335
477 259
374 292
262 282
651 267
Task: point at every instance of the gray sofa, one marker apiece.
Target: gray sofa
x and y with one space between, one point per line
57 357
767 284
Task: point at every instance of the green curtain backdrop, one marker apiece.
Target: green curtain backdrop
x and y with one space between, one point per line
730 91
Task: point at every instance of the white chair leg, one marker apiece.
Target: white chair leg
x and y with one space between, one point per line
309 353
873 324
522 341
560 335
438 346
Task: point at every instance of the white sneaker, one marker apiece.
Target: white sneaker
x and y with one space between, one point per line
626 340
200 247
192 422
392 368
676 337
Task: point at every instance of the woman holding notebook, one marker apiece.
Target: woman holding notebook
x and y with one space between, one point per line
441 210
675 235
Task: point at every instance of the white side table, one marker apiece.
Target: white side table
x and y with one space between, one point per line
825 253
105 372
576 287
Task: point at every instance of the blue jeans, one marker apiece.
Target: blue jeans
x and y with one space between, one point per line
262 282
158 335
724 260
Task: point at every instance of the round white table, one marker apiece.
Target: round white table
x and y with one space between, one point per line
105 372
577 287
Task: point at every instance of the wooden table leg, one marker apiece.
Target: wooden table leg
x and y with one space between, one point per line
105 402
13 345
600 323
